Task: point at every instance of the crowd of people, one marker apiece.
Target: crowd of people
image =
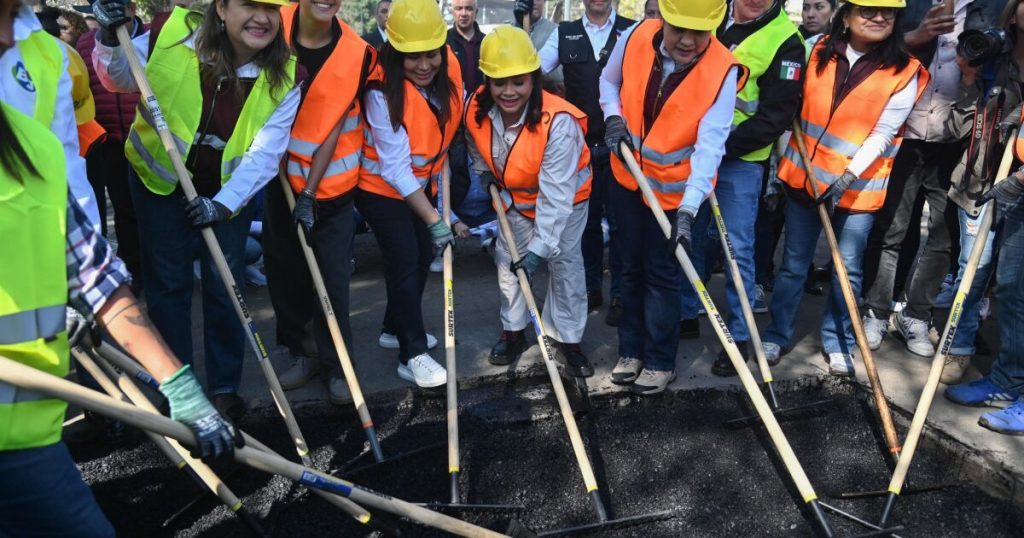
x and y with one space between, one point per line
901 105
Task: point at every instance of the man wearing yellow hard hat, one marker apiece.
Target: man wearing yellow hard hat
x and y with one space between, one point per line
530 144
668 93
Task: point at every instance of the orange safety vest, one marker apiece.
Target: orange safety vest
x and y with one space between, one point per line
334 92
663 150
833 133
428 141
519 182
1018 144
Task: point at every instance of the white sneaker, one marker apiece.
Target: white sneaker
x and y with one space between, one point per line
874 329
840 364
390 341
337 391
772 352
423 371
760 304
915 333
627 370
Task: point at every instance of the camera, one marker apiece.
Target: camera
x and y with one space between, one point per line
980 46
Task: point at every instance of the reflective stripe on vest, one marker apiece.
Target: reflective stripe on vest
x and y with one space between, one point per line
756 53
520 176
664 149
44 61
173 72
12 394
332 93
33 282
849 123
428 141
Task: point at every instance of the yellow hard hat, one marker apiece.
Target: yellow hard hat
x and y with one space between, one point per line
416 26
702 15
508 52
880 3
282 3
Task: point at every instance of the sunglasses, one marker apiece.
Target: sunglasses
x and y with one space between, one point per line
868 13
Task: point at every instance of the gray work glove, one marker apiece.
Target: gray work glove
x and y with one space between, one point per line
110 14
215 436
305 211
203 212
835 191
441 235
615 132
1007 191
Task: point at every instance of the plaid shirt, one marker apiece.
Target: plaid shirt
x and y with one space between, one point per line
94 271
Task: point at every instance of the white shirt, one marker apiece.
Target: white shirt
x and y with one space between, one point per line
598 36
892 118
260 162
383 34
18 91
557 178
713 130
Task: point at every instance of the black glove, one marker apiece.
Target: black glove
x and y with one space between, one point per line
835 191
486 180
684 230
614 133
520 9
1006 191
110 14
305 211
529 263
202 212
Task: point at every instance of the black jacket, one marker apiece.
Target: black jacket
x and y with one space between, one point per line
779 99
374 38
468 53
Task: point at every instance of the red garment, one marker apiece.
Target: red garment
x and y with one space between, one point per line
115 112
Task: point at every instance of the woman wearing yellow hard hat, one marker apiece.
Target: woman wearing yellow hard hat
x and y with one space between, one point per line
529 143
668 93
859 88
414 104
229 88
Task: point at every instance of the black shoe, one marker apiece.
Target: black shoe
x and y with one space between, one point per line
614 313
230 405
510 346
594 300
723 366
813 288
689 329
576 363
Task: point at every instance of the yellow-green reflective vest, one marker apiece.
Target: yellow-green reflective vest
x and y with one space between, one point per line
43 60
33 282
756 53
173 72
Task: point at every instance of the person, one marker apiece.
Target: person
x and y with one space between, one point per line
72 26
377 36
816 17
49 236
464 37
762 38
106 164
651 10
922 167
338 62
852 136
540 31
232 118
582 47
414 105
668 93
530 144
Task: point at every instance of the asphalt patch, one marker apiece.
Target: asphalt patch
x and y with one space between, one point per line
664 453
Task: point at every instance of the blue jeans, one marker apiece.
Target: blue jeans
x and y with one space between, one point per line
592 244
42 494
651 282
802 230
738 191
967 328
1008 370
169 246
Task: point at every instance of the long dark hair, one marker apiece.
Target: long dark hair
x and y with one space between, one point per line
891 53
13 157
391 61
217 55
534 105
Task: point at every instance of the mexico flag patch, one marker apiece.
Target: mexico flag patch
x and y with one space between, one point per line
790 70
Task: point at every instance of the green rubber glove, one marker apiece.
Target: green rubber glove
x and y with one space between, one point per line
215 437
441 235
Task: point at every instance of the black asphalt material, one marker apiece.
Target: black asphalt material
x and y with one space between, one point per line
664 453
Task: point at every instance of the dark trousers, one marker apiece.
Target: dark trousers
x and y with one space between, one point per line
291 287
592 243
651 284
405 242
919 167
332 239
108 168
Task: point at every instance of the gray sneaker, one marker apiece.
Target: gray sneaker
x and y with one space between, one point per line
627 370
338 392
772 352
875 329
652 382
953 370
915 333
300 373
840 364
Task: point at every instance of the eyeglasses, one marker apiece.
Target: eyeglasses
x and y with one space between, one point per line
868 13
